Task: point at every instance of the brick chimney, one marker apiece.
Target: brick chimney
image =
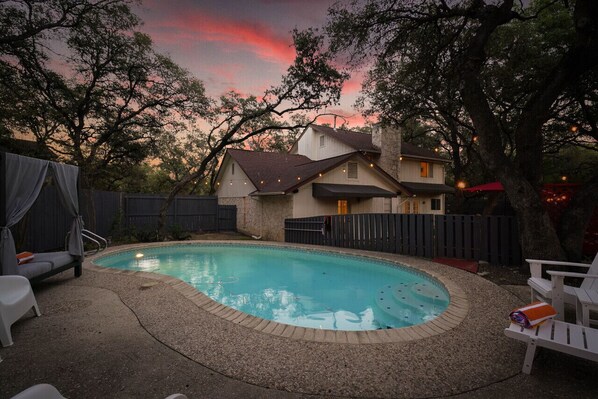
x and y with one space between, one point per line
388 140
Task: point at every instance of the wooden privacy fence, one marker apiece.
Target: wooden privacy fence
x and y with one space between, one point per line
46 224
490 238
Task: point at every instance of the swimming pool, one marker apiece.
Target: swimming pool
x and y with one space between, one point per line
314 289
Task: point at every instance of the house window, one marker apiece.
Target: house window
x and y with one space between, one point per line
407 207
342 207
427 169
352 170
322 140
233 168
435 204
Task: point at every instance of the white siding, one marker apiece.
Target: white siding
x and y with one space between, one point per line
233 186
309 145
304 204
411 172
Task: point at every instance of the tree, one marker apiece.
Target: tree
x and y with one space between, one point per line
102 102
510 122
310 84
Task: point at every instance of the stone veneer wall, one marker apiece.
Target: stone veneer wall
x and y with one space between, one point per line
388 140
262 216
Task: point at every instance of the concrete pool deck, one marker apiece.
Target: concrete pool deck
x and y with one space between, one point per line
110 335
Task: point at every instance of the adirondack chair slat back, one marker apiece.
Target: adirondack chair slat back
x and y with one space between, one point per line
591 283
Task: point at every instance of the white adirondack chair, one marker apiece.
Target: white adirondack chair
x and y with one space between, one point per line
554 290
556 335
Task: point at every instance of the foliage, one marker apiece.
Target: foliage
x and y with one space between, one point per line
310 84
95 92
176 233
514 75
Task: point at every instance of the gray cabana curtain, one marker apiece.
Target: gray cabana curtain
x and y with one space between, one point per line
24 180
66 182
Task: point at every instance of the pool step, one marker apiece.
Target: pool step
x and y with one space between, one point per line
411 303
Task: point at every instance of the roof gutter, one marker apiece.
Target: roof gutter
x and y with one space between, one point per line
426 158
271 193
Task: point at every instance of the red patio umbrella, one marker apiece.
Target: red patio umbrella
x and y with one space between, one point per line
494 186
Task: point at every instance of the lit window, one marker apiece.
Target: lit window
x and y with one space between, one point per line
415 206
427 169
435 204
352 170
407 207
322 140
343 207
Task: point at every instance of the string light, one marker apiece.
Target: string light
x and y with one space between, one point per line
319 174
298 178
371 165
461 184
262 182
564 178
573 128
279 180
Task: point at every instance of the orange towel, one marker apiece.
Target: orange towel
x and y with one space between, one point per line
533 314
24 257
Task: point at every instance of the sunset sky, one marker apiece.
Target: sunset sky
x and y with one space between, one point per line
242 45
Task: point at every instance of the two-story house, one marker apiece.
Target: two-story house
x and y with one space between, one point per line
330 171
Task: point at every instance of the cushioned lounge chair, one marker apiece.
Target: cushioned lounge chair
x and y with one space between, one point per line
16 299
47 264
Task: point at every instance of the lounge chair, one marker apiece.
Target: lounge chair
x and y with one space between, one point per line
543 289
16 299
47 391
556 335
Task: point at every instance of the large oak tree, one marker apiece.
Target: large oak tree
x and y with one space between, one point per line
452 46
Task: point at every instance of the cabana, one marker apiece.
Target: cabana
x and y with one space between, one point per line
21 180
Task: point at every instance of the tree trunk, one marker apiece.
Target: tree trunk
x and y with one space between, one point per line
576 218
536 232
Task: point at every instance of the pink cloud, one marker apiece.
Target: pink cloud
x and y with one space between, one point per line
240 35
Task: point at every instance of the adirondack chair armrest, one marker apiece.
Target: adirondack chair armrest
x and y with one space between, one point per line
535 265
570 274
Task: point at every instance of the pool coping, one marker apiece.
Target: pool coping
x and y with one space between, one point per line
453 315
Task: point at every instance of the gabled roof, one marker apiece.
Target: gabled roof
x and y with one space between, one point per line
355 140
363 142
277 173
412 151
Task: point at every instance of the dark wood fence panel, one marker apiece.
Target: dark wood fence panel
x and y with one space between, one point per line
494 239
490 238
45 226
227 218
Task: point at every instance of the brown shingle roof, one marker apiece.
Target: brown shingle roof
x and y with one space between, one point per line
363 142
410 150
265 169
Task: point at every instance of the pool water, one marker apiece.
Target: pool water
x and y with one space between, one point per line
298 287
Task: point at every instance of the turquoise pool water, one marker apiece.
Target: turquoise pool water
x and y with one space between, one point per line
292 286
